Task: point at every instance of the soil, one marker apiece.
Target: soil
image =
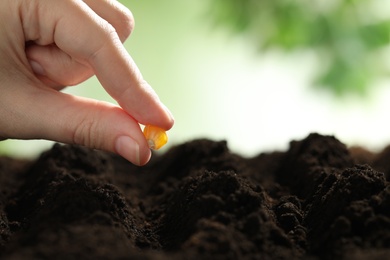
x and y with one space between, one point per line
317 200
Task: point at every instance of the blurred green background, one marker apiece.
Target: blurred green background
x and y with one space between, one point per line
260 73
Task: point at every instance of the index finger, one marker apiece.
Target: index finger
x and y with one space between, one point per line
85 36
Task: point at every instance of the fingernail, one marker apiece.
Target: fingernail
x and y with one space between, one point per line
37 68
128 148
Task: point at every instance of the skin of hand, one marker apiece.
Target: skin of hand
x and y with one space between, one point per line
48 44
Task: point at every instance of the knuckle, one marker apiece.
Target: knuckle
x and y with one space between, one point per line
86 132
108 36
83 134
108 31
127 23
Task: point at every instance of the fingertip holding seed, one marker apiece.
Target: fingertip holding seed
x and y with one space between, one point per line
155 136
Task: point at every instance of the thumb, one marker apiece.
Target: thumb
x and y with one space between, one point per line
100 125
61 117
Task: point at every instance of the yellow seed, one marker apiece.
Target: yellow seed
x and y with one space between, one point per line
155 136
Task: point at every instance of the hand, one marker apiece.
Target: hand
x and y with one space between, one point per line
48 44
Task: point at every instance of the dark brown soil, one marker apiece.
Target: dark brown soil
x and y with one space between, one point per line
318 200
